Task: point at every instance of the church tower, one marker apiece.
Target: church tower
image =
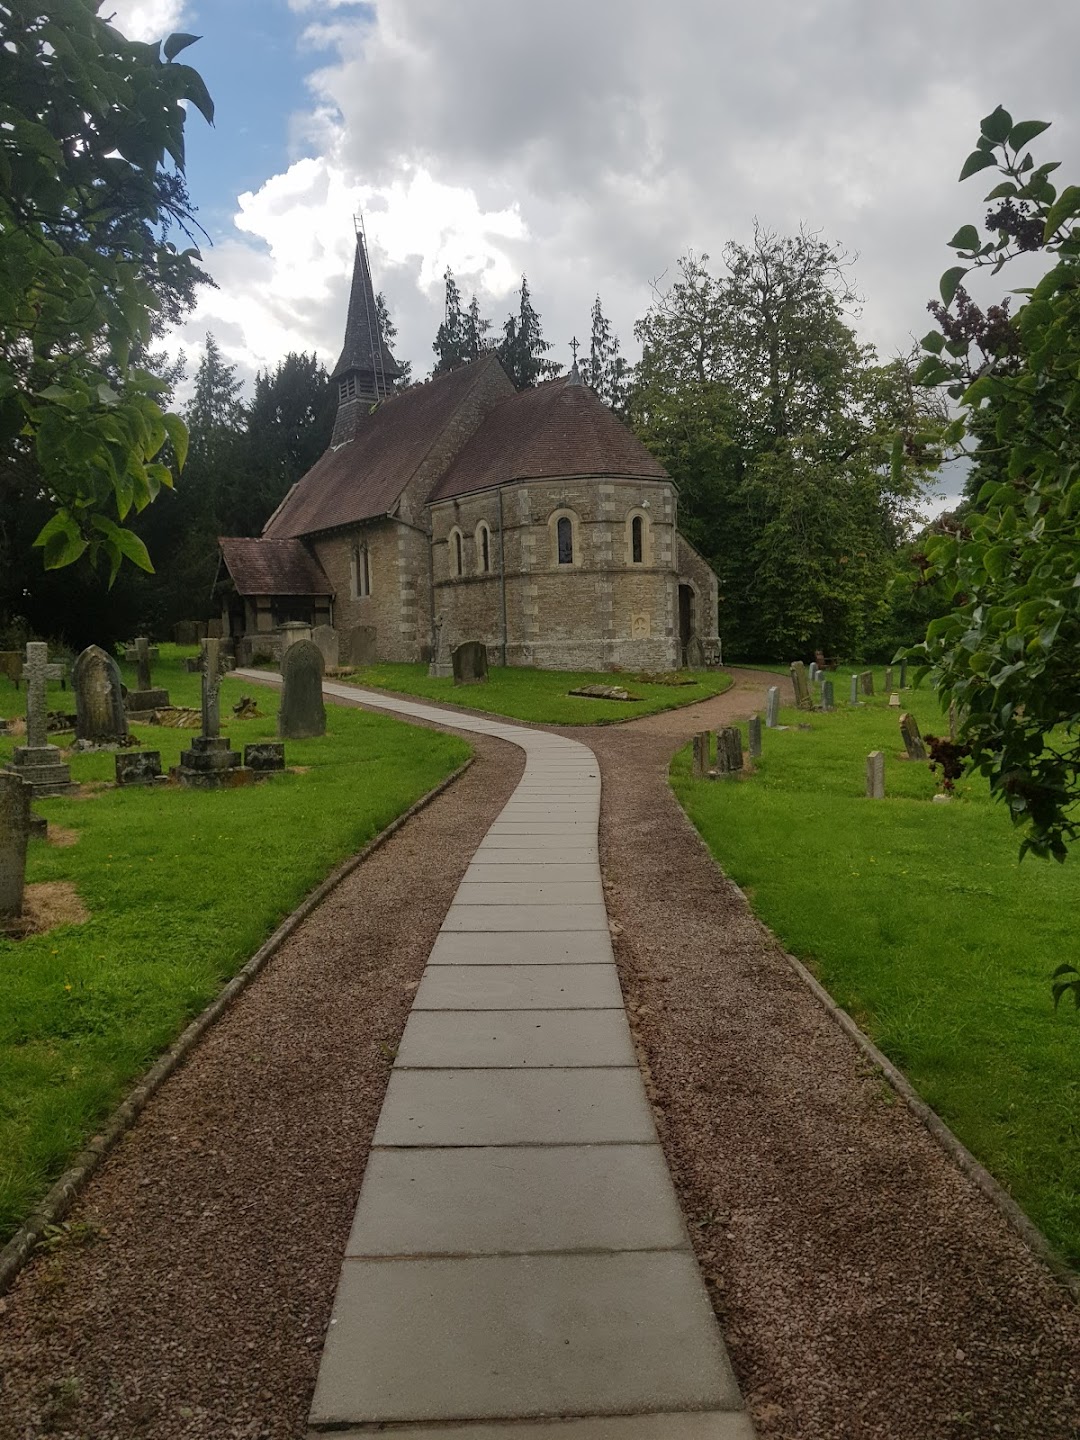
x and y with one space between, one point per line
366 371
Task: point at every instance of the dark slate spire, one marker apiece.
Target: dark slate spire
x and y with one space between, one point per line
366 370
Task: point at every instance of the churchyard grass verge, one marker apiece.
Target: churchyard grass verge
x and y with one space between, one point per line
923 924
182 887
541 696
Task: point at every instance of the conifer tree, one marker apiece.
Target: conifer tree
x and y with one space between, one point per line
451 338
388 331
605 369
523 346
476 327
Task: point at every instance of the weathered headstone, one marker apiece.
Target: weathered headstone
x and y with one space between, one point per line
828 695
144 696
695 653
99 699
470 662
854 689
302 714
291 633
357 646
813 671
326 638
754 735
210 761
265 756
215 629
894 700
440 666
903 674
729 751
14 834
186 632
867 681
888 678
912 737
801 686
138 767
772 707
701 755
875 775
37 762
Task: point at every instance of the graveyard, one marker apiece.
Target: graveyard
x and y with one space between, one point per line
921 922
182 886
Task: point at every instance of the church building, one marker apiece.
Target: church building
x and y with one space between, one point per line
461 509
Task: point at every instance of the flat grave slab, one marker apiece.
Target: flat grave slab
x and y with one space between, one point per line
552 947
518 987
518 1039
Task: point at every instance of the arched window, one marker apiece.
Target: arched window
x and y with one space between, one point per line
637 549
565 531
360 571
483 549
459 558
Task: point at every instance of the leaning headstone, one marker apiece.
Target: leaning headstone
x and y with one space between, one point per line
37 762
210 761
138 767
701 755
854 689
912 737
828 695
326 638
772 707
754 735
265 756
14 834
875 775
99 699
866 679
302 714
144 696
801 685
729 752
470 662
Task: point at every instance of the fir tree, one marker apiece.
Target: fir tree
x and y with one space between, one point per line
388 332
451 338
523 346
605 369
476 327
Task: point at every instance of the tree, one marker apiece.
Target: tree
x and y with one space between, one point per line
1007 653
476 327
451 341
523 346
605 370
388 331
91 194
778 425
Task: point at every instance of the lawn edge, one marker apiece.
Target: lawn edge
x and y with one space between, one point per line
947 1139
62 1194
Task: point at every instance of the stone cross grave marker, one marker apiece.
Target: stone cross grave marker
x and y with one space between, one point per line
912 737
828 696
142 662
14 833
142 654
729 752
99 698
854 689
867 681
772 707
875 775
211 687
302 714
754 734
801 685
701 755
37 672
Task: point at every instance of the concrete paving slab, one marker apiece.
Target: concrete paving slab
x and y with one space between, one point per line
551 947
530 892
525 917
516 1200
515 1107
544 871
495 840
521 1336
514 1039
526 854
518 987
716 1425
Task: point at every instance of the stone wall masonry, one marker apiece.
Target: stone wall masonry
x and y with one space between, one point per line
694 567
399 616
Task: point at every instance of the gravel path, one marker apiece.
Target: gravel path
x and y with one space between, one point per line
199 1311
865 1287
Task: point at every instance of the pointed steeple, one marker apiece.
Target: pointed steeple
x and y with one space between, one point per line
366 370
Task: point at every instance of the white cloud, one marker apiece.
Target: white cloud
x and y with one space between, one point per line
145 19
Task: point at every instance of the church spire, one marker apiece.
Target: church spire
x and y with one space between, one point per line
366 370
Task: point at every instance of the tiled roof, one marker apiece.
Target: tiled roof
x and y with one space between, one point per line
364 478
557 429
273 567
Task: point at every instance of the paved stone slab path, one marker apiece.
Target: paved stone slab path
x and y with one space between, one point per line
518 1254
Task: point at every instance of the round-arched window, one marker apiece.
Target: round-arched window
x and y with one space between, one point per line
565 533
637 547
459 562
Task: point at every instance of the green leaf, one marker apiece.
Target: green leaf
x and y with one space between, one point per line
194 89
1000 192
934 342
134 550
950 283
976 161
966 238
178 433
1023 133
997 125
1064 208
179 41
996 561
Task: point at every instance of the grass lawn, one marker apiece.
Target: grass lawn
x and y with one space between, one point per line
923 924
541 695
182 887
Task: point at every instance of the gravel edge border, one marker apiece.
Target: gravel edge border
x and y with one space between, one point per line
953 1146
58 1199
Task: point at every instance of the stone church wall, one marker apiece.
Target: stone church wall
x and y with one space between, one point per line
696 571
398 605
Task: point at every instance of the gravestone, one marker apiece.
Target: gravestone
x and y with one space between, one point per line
854 689
828 697
801 685
291 633
875 775
37 762
215 629
470 662
99 699
772 707
326 638
695 654
210 762
912 737
144 696
14 834
894 700
302 714
138 767
903 674
701 755
729 752
265 756
813 671
866 679
754 734
357 646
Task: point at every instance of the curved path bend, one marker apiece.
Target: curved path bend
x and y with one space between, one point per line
518 1253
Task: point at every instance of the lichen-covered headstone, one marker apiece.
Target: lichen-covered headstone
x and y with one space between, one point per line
888 679
701 755
867 680
912 737
357 645
801 685
265 756
14 833
302 714
729 751
470 662
138 767
828 695
875 775
772 707
99 698
754 736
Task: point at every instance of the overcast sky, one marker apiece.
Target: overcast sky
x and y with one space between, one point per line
587 143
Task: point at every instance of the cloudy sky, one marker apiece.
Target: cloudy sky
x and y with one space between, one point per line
587 143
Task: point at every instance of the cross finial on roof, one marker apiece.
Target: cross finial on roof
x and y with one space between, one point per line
574 378
574 347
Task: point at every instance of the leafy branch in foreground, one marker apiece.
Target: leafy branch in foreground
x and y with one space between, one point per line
1008 651
91 192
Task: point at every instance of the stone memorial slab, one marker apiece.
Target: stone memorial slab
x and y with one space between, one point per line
37 762
291 633
854 690
138 767
210 762
912 737
828 695
772 707
99 699
888 678
875 775
754 735
813 671
729 751
357 646
866 679
903 675
326 638
894 700
14 834
800 683
302 714
701 755
470 663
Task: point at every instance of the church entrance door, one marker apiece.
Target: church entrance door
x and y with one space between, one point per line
686 620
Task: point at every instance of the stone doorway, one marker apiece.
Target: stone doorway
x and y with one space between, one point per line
687 627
